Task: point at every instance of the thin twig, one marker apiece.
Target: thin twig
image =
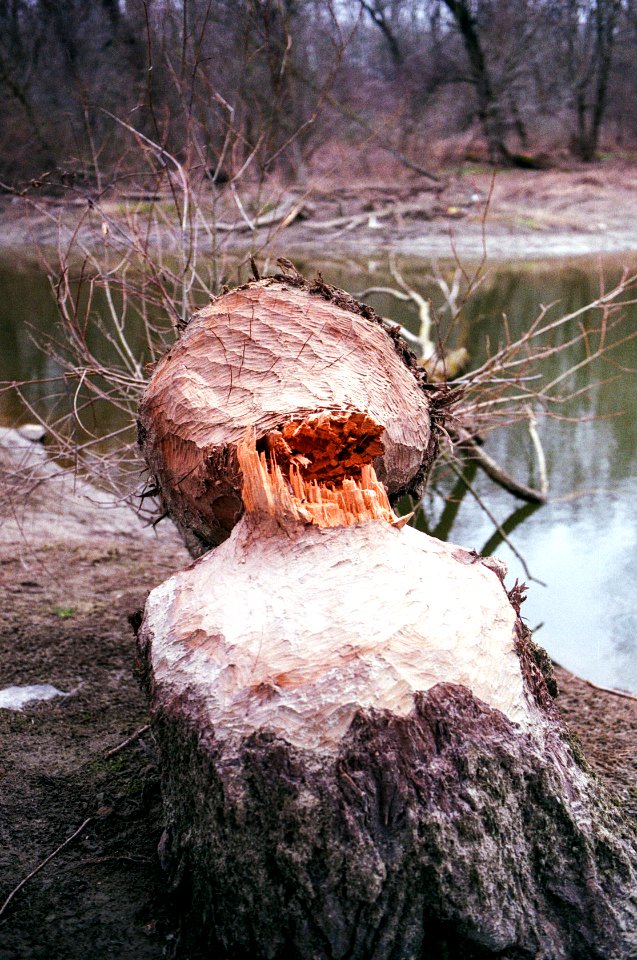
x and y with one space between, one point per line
241 209
456 469
111 858
125 743
40 866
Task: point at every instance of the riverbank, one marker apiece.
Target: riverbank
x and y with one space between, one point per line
581 210
72 571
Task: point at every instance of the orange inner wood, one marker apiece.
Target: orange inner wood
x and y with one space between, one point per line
317 471
326 447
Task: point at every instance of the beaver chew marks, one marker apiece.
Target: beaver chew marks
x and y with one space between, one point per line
317 470
267 357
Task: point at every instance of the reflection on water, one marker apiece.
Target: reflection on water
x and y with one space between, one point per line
26 310
582 544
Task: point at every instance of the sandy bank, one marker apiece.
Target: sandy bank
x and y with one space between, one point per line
580 211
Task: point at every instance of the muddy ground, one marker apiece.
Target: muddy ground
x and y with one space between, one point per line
579 209
71 572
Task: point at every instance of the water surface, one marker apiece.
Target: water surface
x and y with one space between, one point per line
582 544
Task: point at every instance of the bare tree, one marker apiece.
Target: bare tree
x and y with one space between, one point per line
589 30
380 14
20 47
489 108
222 83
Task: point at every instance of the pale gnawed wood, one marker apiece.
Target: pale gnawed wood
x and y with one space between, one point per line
293 627
267 357
355 767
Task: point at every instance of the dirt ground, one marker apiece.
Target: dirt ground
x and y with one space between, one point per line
71 572
581 209
68 588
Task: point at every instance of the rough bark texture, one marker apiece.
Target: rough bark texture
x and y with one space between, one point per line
257 358
447 833
328 795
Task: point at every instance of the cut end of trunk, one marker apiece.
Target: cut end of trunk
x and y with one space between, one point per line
328 446
318 378
317 470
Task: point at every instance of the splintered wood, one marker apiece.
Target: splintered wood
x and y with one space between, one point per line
281 482
270 356
327 446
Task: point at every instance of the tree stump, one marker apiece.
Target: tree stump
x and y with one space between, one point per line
361 756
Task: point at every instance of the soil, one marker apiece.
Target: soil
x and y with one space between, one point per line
69 588
581 209
71 574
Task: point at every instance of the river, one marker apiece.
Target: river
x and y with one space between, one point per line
581 545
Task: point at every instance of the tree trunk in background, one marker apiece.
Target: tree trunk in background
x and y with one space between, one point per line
518 122
591 87
377 14
489 110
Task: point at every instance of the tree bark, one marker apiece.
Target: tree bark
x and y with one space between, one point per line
362 759
489 110
361 755
377 15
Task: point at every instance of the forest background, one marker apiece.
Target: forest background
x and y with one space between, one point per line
148 146
306 87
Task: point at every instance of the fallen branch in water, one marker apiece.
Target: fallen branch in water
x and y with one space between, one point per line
423 307
539 452
440 366
494 471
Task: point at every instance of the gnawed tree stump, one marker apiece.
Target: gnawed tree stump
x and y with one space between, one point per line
361 755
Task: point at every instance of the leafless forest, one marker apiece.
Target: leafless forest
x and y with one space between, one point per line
293 87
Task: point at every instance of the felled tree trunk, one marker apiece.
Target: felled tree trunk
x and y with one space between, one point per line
361 755
305 368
